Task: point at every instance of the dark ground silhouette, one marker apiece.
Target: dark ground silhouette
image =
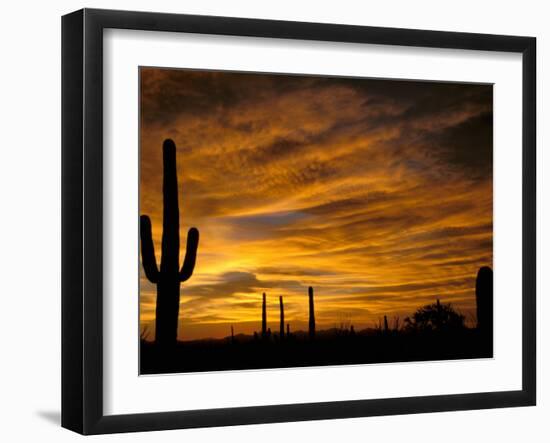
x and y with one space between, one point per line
330 347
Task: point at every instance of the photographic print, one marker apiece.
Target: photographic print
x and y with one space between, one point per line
308 220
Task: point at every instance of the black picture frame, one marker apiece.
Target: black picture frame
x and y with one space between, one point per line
82 218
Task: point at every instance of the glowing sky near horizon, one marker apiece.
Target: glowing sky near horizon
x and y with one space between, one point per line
377 193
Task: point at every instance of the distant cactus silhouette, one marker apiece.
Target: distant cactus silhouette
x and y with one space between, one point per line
311 314
386 327
288 330
282 318
484 299
264 317
170 276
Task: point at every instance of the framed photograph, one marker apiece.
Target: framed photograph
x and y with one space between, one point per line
269 221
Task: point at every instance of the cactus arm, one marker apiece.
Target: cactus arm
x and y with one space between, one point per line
190 254
148 250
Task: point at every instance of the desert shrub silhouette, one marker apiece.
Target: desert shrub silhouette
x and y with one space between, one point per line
435 317
169 278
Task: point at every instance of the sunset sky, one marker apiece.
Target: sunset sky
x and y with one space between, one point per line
378 193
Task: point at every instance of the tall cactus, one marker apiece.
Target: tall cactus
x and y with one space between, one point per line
281 318
484 300
170 276
311 314
264 317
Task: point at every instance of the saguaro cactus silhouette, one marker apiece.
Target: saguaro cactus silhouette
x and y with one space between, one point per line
264 317
484 299
170 276
311 314
281 318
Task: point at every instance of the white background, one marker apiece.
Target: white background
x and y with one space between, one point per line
127 393
30 223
